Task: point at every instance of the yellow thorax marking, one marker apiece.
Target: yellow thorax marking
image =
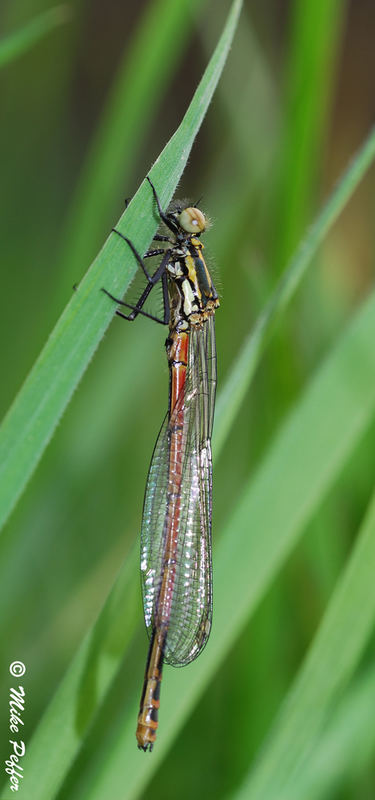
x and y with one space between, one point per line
192 272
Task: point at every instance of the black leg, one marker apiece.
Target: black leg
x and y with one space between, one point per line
159 274
135 252
137 309
163 216
151 281
129 318
159 238
166 307
158 251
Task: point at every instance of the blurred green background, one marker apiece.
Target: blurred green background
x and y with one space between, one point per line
83 116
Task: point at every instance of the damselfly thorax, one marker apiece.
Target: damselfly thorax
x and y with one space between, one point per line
192 295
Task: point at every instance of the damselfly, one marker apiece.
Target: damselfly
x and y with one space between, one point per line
176 527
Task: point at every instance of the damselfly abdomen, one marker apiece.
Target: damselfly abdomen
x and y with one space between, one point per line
176 563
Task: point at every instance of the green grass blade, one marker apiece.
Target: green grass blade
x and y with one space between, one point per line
316 28
66 697
37 409
344 747
16 44
332 658
141 81
329 420
68 717
249 356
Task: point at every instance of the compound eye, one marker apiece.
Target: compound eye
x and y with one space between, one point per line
192 220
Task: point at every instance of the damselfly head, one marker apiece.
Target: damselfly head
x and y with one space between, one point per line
192 220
